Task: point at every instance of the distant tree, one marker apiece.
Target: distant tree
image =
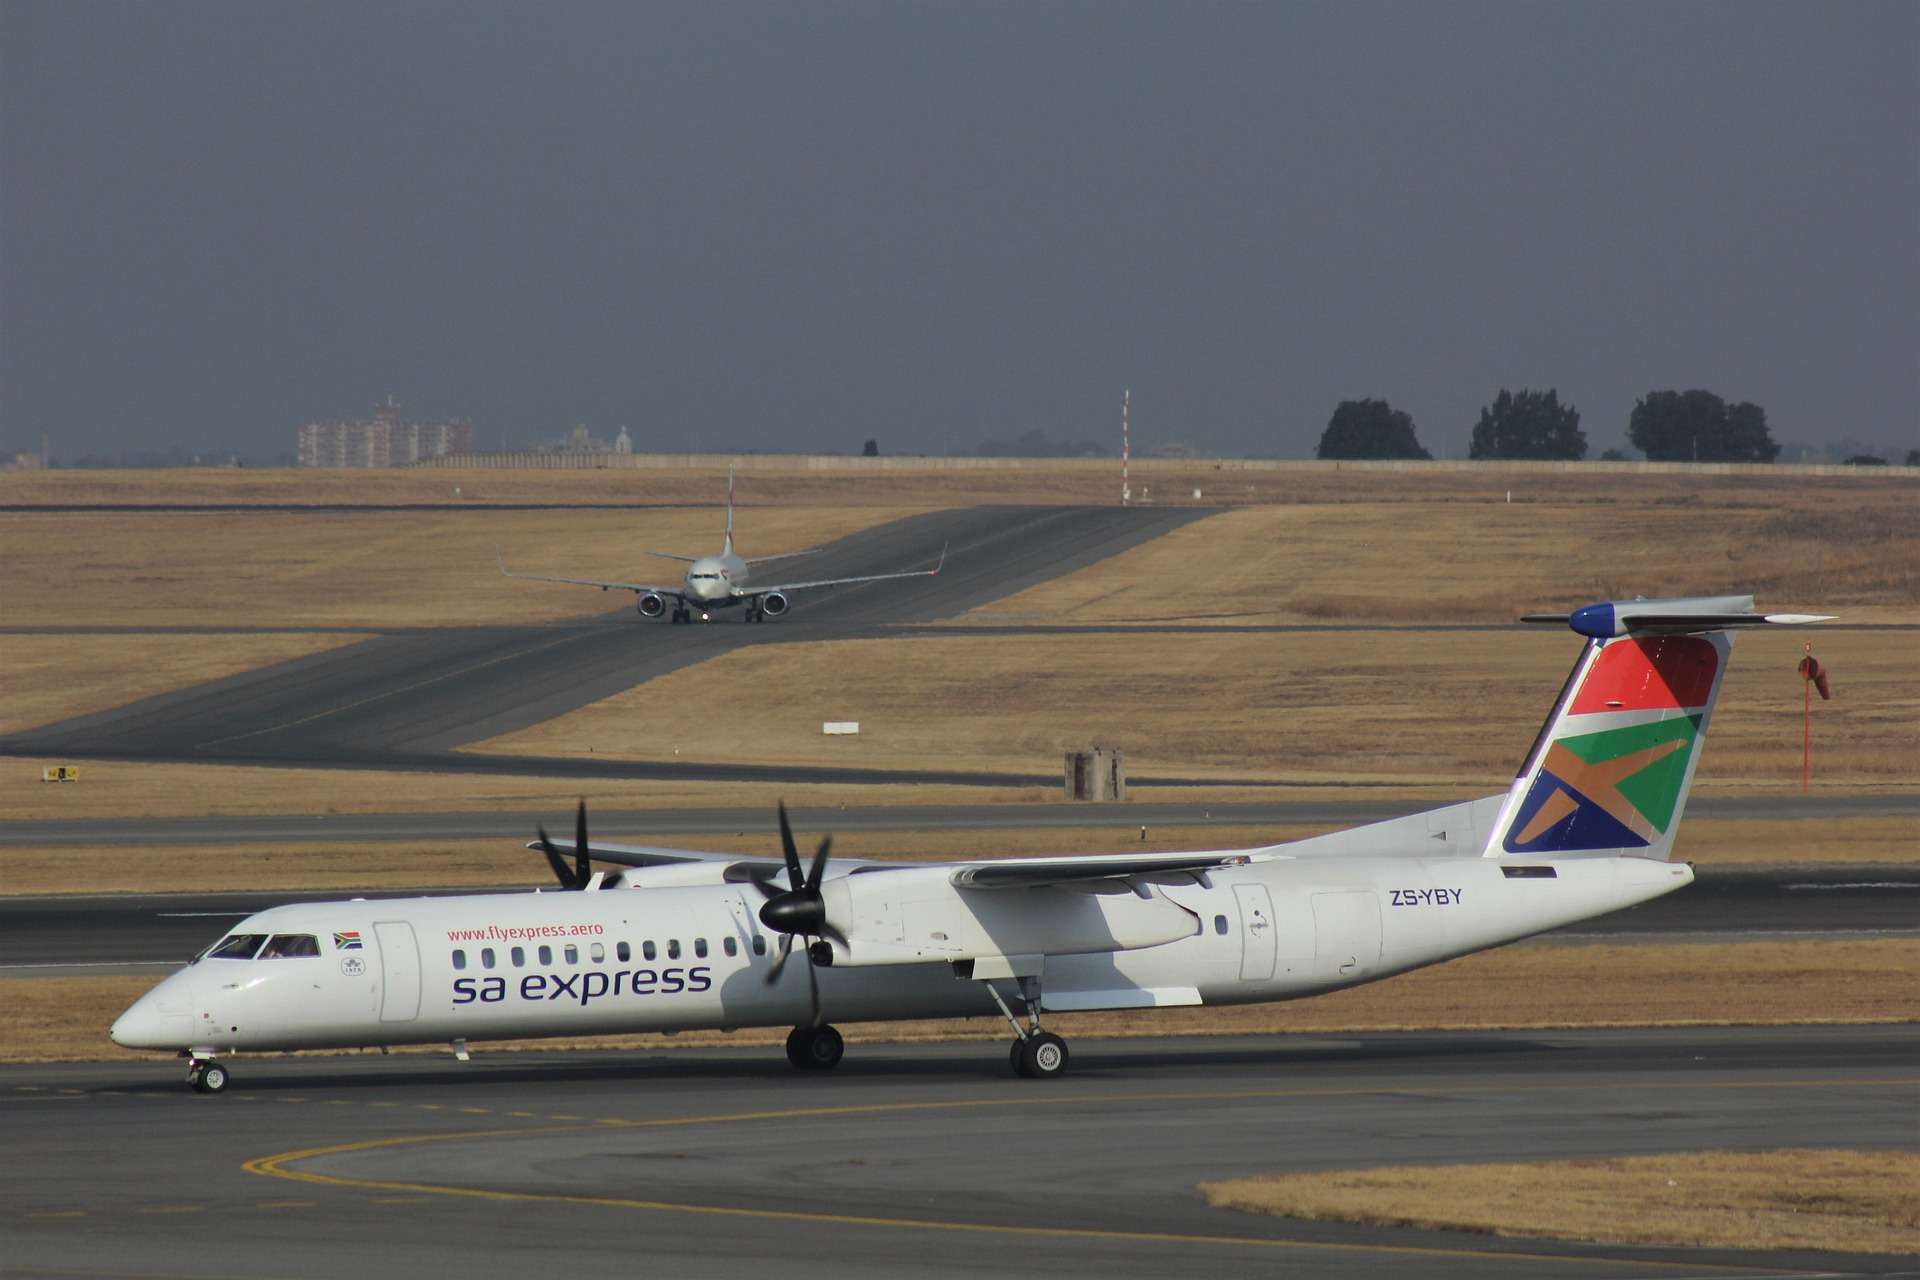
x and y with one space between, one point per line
1613 455
1913 457
1865 460
1532 424
1370 429
1698 426
871 449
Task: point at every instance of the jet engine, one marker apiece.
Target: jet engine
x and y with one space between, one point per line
650 605
773 604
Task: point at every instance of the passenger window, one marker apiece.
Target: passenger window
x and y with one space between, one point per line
459 959
673 948
1220 925
546 955
572 953
598 952
700 948
647 950
240 946
282 946
519 957
623 952
486 957
759 945
728 945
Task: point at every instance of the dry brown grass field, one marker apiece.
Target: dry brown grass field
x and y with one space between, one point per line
850 482
1539 986
1390 708
364 569
1852 1201
1308 546
1855 553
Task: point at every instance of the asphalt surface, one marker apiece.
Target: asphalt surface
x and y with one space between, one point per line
406 699
907 1160
82 932
657 825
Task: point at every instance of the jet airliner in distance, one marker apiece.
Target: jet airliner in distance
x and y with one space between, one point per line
675 939
721 581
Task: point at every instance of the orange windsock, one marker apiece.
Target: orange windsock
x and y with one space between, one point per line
1810 669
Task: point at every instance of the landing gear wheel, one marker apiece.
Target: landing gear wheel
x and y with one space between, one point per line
815 1048
208 1077
1041 1056
1013 1056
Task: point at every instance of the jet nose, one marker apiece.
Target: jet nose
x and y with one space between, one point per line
160 1019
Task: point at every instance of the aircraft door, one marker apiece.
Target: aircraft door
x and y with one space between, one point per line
1346 932
1257 934
400 971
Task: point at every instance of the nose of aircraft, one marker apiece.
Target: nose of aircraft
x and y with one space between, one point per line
160 1019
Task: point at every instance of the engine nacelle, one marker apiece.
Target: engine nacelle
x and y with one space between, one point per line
773 604
650 604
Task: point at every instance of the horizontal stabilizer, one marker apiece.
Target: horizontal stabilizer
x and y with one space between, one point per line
1685 615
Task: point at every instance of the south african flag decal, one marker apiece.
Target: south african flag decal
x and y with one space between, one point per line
346 940
1617 787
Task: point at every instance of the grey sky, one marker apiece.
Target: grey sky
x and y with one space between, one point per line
799 225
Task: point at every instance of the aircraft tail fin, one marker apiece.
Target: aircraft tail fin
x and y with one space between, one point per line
1610 771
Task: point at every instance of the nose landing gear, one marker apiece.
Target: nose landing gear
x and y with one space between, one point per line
815 1048
207 1076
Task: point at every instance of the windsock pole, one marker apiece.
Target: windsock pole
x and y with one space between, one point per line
1806 730
1126 490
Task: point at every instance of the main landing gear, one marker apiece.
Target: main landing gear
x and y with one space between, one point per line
1035 1054
815 1048
207 1076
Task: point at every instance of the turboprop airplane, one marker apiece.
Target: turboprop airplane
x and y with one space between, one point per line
678 939
717 582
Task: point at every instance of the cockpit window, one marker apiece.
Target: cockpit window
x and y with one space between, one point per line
282 946
239 946
703 577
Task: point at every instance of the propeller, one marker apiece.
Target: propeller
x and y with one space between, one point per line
799 910
576 876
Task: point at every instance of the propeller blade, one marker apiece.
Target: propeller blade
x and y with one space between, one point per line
582 867
819 865
553 857
786 948
794 879
828 931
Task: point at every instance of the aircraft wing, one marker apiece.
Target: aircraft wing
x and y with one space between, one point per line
1024 873
590 582
784 555
668 555
742 594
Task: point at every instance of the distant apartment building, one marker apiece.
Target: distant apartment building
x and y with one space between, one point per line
385 440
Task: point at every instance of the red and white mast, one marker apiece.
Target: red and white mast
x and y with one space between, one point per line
1126 490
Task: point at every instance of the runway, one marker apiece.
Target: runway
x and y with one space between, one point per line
82 932
921 1160
406 699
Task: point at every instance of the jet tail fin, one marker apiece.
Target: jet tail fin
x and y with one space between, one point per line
1610 772
727 548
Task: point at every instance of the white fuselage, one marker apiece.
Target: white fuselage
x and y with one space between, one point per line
417 970
711 581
